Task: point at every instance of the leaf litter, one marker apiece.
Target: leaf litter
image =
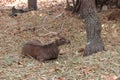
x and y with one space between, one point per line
70 65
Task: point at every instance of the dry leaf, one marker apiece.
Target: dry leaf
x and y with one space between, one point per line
112 77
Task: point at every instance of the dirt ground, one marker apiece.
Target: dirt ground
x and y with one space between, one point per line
70 65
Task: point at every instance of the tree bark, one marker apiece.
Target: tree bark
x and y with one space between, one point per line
76 6
32 4
93 27
118 3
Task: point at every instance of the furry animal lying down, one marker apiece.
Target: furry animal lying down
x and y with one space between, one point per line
45 52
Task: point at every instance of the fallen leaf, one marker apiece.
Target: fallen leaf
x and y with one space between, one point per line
112 77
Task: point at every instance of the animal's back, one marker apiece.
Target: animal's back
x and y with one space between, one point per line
30 48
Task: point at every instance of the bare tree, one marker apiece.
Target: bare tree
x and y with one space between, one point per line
93 27
32 4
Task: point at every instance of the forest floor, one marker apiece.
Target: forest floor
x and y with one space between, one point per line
70 65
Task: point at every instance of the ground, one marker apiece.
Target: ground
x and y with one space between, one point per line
70 65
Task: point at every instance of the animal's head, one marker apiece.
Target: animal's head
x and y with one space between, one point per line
62 41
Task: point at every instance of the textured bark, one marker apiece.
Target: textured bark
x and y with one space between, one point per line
93 27
118 4
32 4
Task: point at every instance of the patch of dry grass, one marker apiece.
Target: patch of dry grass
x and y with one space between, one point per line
70 65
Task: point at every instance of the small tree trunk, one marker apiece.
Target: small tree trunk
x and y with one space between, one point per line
32 4
93 27
118 3
77 5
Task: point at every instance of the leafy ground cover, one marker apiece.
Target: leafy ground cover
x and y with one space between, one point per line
70 65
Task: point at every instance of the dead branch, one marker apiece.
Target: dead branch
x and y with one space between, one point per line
59 15
42 26
49 32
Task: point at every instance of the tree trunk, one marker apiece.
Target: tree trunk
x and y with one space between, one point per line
32 4
118 3
93 27
77 5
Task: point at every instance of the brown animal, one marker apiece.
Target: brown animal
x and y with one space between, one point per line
43 52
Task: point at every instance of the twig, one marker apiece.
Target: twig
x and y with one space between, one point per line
59 15
49 32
